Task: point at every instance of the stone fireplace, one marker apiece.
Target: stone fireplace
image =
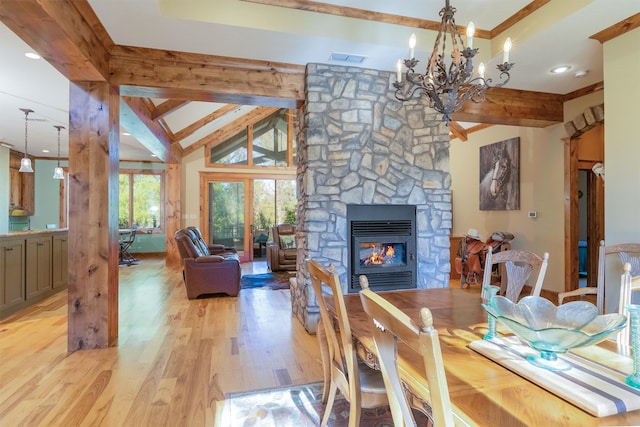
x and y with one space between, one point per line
358 145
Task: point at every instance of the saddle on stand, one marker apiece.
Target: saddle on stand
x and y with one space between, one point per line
470 256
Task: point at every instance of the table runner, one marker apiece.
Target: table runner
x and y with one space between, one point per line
591 386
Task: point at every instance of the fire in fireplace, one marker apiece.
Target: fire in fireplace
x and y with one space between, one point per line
382 246
382 254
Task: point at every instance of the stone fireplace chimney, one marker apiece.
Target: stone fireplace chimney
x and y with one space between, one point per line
359 145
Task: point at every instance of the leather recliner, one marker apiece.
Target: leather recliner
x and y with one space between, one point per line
207 269
281 252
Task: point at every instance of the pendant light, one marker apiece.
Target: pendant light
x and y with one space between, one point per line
58 173
25 163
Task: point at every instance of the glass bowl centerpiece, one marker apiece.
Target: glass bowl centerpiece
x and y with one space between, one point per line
552 330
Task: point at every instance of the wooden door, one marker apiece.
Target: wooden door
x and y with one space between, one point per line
582 152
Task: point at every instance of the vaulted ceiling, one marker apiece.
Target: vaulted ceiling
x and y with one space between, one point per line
198 72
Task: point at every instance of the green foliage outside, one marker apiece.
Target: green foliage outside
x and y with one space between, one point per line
145 200
274 202
290 216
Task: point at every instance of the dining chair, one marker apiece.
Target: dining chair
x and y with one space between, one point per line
125 243
518 265
626 252
361 386
629 283
391 325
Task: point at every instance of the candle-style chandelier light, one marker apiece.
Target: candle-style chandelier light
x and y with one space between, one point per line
449 81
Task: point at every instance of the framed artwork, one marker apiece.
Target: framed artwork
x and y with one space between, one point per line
500 176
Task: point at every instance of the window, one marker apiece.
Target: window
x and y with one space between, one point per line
268 142
141 199
274 202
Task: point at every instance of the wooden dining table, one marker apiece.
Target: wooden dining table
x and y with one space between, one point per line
482 391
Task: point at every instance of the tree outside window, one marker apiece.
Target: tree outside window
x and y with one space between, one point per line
141 200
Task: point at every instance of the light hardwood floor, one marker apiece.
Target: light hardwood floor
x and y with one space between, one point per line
174 360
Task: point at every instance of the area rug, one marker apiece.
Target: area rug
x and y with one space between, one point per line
273 280
295 406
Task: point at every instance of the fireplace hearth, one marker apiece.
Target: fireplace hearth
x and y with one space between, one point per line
382 246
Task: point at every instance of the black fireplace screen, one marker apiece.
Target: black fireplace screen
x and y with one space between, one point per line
382 245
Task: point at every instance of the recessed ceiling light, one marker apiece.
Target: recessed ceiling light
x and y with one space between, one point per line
45 151
561 69
581 73
32 55
153 155
125 133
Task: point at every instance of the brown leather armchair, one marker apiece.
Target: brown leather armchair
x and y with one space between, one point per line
282 252
205 272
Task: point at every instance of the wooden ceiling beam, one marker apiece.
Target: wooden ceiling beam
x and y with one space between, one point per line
180 75
517 17
457 130
70 37
189 130
167 107
231 129
367 15
135 116
59 32
618 29
514 107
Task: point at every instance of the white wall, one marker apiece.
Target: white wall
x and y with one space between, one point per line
541 190
47 194
622 138
622 150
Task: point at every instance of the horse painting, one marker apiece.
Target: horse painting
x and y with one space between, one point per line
500 175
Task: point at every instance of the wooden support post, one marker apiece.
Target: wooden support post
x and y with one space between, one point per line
173 183
93 215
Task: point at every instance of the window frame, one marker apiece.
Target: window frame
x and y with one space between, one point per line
161 209
290 114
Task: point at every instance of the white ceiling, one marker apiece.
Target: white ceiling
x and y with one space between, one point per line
556 34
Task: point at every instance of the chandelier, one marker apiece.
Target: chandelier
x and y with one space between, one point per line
448 81
25 163
58 173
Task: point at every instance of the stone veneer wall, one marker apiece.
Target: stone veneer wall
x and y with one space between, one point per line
358 145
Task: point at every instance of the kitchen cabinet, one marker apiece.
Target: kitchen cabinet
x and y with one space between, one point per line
21 186
38 261
33 266
60 256
12 272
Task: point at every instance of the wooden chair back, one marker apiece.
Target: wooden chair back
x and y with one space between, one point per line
628 285
625 253
347 375
390 325
519 266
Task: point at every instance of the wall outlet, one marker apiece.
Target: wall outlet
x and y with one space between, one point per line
532 214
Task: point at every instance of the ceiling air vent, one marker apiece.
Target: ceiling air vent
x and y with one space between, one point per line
347 57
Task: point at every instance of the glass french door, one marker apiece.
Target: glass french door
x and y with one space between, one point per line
228 209
241 212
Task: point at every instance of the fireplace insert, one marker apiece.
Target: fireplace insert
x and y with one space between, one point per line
382 246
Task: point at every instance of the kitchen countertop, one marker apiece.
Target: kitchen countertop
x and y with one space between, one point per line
26 233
